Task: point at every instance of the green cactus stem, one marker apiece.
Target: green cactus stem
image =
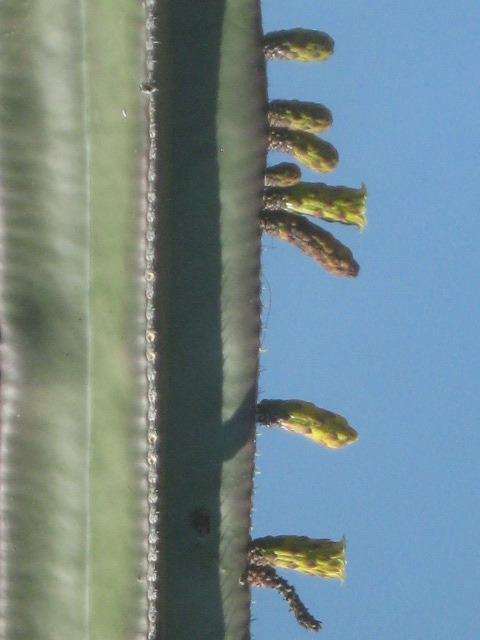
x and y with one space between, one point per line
312 556
263 575
298 416
313 152
302 45
312 240
333 204
283 175
294 114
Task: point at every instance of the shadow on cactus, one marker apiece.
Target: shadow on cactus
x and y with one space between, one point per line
292 129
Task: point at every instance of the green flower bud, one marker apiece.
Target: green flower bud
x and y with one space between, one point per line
298 416
282 175
294 114
333 204
303 45
312 240
315 557
311 151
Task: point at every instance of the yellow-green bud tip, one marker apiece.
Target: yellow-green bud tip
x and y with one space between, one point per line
298 416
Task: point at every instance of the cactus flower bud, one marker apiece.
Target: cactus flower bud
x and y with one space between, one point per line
312 240
298 416
315 557
294 114
333 204
311 151
282 175
303 45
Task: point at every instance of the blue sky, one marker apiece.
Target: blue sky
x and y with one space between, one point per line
395 351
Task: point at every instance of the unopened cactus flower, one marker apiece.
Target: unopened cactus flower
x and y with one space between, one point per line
312 240
298 416
282 175
333 204
302 45
295 114
313 152
313 556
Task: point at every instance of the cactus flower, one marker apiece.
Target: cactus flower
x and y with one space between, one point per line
312 556
333 204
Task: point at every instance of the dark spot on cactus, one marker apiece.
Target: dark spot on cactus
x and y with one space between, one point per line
200 521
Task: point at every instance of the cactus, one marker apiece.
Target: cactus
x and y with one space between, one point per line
72 301
292 125
282 175
100 391
77 354
302 45
305 147
312 556
333 204
312 240
305 116
298 416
